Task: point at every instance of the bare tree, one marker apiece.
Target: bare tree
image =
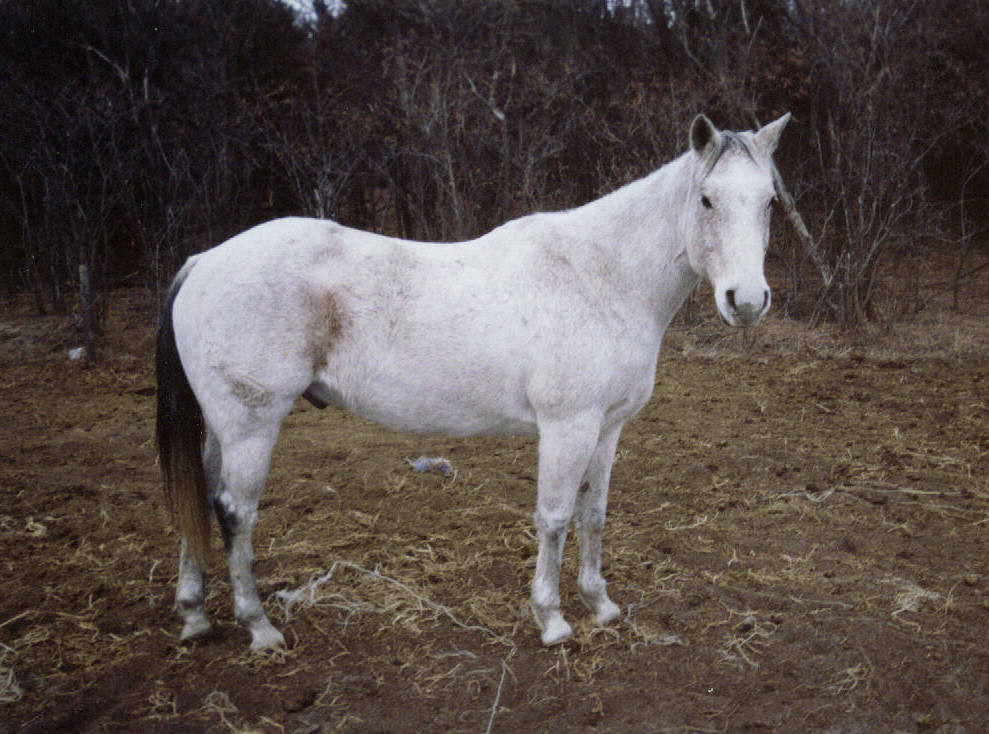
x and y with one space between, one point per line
871 137
139 131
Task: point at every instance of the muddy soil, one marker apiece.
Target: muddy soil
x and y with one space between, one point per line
797 537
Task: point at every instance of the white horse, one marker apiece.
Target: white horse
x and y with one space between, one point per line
549 324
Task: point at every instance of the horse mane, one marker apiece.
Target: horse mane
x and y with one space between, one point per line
728 139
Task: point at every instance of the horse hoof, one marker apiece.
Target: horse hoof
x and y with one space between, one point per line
555 632
607 612
195 628
266 637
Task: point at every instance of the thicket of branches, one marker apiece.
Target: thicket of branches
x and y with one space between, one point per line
135 132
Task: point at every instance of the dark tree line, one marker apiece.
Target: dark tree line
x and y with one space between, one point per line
135 132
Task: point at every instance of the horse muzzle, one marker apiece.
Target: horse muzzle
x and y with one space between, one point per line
743 307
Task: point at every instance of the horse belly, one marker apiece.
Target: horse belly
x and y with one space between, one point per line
396 399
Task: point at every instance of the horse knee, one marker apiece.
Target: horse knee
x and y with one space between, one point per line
552 522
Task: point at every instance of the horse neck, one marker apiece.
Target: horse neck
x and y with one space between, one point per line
643 229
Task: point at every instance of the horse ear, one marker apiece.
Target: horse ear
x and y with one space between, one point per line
704 135
769 135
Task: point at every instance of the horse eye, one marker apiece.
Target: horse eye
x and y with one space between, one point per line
706 202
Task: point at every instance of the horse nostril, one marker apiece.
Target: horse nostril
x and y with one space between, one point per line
730 297
765 299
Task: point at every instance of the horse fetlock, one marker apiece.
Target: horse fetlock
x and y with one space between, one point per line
189 599
595 598
189 596
602 607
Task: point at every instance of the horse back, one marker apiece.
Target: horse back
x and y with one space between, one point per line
457 338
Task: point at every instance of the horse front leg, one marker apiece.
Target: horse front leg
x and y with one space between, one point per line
592 504
565 449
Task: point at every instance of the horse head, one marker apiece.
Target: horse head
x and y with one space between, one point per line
732 199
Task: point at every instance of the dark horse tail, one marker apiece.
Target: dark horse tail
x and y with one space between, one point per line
180 434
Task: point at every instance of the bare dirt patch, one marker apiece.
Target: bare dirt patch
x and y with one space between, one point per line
797 535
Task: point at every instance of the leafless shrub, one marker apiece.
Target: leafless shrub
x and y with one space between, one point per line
138 132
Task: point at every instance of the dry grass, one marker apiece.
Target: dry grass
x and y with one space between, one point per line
796 537
936 330
394 599
10 690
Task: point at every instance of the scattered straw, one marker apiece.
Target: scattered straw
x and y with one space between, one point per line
307 594
162 702
812 496
494 706
909 599
848 680
219 703
747 637
702 520
17 616
10 690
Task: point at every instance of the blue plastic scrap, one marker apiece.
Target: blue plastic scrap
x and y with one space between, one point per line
431 464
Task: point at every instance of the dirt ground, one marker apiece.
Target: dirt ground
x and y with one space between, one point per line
797 536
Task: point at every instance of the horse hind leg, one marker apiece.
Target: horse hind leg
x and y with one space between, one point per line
190 590
189 596
592 502
242 477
